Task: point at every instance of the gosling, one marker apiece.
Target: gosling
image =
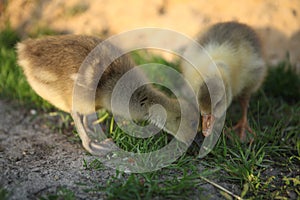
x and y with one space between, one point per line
234 50
51 66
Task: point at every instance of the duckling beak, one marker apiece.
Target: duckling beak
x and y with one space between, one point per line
208 121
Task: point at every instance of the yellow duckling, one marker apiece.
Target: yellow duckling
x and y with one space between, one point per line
231 66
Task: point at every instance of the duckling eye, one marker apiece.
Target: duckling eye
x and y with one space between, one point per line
143 101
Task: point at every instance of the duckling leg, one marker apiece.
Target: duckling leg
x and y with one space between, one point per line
242 126
95 147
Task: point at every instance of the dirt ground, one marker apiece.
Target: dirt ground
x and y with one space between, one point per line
35 160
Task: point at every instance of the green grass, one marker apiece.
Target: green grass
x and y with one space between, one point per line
62 193
13 84
286 88
4 194
266 169
42 30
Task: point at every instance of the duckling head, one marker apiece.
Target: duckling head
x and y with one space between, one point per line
214 97
177 117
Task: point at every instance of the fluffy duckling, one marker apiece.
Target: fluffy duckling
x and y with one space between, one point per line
51 65
235 50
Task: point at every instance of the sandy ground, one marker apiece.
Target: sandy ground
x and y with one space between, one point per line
277 21
34 160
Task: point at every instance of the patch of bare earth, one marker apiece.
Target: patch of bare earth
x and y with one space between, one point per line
35 161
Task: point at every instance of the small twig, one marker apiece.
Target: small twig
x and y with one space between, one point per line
221 188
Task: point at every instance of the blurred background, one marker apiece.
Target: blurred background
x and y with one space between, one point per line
277 21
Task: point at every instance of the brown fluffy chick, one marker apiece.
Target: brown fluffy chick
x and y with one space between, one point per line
51 65
235 50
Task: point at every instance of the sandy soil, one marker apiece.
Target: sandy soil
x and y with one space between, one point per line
277 21
35 160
